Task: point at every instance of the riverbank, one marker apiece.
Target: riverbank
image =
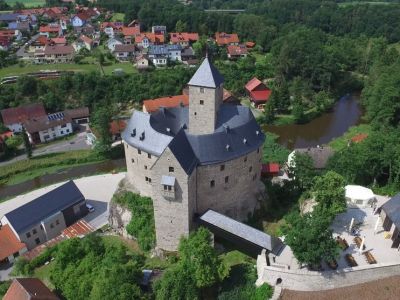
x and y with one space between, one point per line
358 133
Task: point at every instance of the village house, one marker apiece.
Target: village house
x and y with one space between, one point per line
54 54
184 39
225 39
124 52
46 128
147 39
159 29
188 54
153 105
79 116
141 62
111 28
160 54
80 19
83 42
236 52
116 129
29 289
258 92
15 117
319 156
112 42
51 30
45 217
130 33
10 246
42 41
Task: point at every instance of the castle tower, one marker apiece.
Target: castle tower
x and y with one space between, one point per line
205 98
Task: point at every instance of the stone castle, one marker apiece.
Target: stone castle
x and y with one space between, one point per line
190 159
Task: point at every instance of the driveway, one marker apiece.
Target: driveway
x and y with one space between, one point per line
98 190
78 142
21 51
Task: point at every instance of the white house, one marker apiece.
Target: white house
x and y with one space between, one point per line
112 42
124 52
83 42
79 19
174 52
160 54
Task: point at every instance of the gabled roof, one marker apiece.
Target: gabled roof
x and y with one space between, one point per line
29 289
177 37
9 244
46 122
153 105
34 212
125 48
319 155
86 39
76 113
83 16
21 113
183 152
392 210
154 38
53 28
117 126
237 50
252 84
223 38
131 31
260 96
58 49
207 76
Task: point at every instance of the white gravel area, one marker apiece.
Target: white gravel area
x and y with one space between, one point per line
98 191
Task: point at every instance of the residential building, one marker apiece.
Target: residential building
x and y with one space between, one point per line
111 28
130 33
187 54
258 92
154 105
147 39
184 39
141 62
390 216
319 155
79 116
83 42
80 19
49 127
15 117
225 39
116 129
124 52
5 43
58 54
29 289
51 30
47 216
235 52
159 29
112 42
10 246
191 159
160 54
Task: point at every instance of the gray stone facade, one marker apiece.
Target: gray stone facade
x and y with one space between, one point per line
191 160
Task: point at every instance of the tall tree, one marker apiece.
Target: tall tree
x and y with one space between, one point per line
27 143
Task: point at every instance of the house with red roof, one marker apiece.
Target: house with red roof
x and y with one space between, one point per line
250 45
10 246
111 28
14 117
183 38
29 289
148 38
153 105
83 42
224 39
130 33
5 43
258 92
53 29
80 19
116 128
236 52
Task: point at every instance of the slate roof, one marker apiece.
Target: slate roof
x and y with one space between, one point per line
243 231
392 210
32 213
207 76
183 152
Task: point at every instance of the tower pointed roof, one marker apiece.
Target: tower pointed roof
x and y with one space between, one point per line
207 75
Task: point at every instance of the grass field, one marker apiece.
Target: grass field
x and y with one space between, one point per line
118 17
342 141
28 3
17 70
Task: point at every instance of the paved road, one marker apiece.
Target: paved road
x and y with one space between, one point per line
21 51
76 143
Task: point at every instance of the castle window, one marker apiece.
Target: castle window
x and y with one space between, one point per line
245 159
171 169
148 155
222 167
139 151
149 180
226 179
212 183
145 167
201 102
202 90
51 225
167 187
133 161
146 178
34 231
57 222
195 113
250 169
258 150
28 235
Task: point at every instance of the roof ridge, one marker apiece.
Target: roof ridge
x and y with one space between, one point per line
207 75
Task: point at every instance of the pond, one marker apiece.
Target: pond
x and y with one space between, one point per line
68 173
347 112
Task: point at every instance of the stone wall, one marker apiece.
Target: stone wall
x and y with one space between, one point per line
238 196
119 218
304 280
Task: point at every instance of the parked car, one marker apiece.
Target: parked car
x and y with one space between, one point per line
90 207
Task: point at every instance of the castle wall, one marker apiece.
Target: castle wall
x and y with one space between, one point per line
236 197
202 117
173 210
139 168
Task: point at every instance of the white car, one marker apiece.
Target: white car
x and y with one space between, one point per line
90 207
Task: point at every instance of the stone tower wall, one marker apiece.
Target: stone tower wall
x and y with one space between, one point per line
138 168
202 117
237 197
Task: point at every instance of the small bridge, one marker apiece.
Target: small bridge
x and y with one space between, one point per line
246 238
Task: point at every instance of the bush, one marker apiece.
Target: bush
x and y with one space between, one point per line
4 285
22 267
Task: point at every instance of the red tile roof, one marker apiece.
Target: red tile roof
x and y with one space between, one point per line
59 40
7 33
115 25
50 28
22 113
83 16
29 289
359 137
177 37
58 49
270 168
252 84
223 38
250 44
237 50
77 229
154 38
9 243
153 105
117 126
260 96
86 39
131 31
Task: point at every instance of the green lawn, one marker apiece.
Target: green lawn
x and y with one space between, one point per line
118 17
28 3
342 141
344 4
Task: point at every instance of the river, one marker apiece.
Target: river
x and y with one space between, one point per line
347 112
68 173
